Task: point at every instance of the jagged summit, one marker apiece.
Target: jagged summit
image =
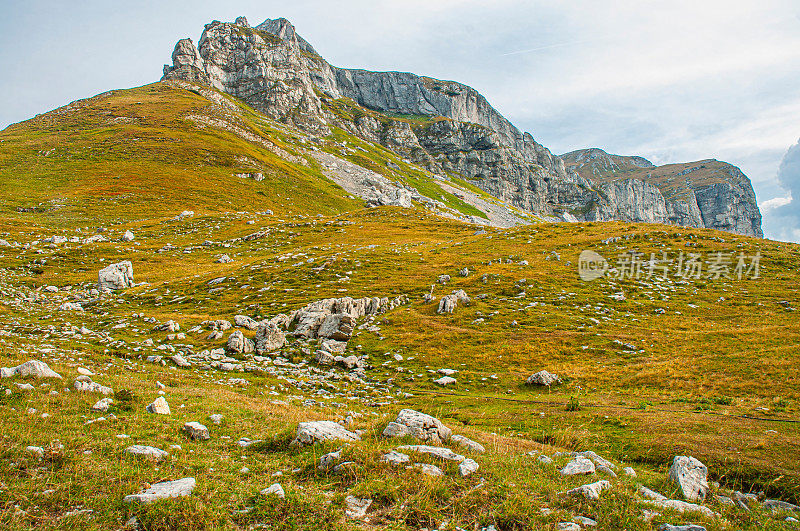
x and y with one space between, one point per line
450 130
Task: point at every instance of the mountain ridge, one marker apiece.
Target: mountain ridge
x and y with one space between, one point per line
456 133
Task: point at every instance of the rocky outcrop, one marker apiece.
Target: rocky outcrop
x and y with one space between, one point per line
459 133
708 193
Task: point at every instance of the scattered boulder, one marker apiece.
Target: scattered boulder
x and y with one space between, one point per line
245 322
147 452
691 477
180 361
128 236
159 406
328 460
269 337
85 384
628 471
445 381
196 431
418 425
685 527
467 467
579 465
224 259
116 276
448 303
590 491
165 489
322 430
239 344
102 405
275 489
356 507
429 470
543 378
568 526
33 368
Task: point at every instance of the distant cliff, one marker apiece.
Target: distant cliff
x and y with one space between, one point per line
451 130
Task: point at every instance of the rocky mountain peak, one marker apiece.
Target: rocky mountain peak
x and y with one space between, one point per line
450 130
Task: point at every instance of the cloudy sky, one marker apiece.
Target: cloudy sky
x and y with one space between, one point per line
673 81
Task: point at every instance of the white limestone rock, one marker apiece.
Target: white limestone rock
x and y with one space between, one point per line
543 378
32 368
116 276
468 444
196 431
165 489
322 430
578 465
436 451
691 477
590 491
419 425
147 452
159 406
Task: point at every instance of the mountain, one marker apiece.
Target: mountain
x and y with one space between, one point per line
447 128
707 193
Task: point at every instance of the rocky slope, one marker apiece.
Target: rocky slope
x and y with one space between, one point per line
447 128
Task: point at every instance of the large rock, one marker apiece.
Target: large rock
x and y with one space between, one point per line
590 491
322 430
116 276
269 337
32 368
691 477
543 378
579 465
338 326
419 425
196 431
238 344
165 489
147 452
245 322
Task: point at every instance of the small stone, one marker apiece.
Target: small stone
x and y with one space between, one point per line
102 405
35 450
584 521
159 406
165 489
275 489
468 444
607 471
328 460
356 507
467 467
429 470
436 451
322 430
568 526
148 452
590 491
395 458
628 471
196 431
685 527
216 418
444 381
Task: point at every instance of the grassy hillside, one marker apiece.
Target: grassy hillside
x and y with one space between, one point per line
702 367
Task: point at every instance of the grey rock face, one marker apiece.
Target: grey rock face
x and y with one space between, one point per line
395 458
116 276
467 467
85 384
239 344
691 476
468 444
579 465
165 489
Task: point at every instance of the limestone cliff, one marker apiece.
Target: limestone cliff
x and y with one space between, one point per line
447 128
